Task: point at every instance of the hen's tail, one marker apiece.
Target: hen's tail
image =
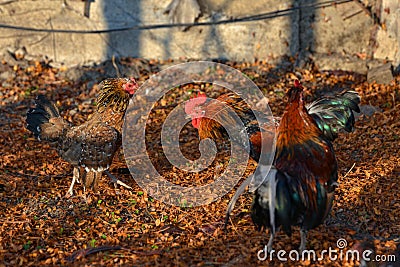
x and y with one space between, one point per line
333 114
44 120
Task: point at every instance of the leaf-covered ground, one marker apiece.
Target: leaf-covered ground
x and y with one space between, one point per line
39 226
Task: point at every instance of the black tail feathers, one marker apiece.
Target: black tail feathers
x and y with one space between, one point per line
37 118
333 114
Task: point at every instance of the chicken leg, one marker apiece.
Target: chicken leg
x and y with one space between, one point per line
116 181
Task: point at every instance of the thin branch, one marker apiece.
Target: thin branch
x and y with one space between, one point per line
368 12
354 164
8 2
352 15
115 66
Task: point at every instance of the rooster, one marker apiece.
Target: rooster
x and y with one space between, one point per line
206 116
299 188
89 147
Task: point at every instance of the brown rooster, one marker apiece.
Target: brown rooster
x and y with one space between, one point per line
89 147
299 188
206 116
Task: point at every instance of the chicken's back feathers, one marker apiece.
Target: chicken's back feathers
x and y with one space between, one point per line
91 145
220 110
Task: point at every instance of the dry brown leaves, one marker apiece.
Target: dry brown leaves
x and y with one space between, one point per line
38 226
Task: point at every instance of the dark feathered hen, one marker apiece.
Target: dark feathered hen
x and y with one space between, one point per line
89 147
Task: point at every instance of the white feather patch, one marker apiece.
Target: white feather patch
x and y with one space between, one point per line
98 169
271 180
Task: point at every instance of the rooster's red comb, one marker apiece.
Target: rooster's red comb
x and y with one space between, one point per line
201 97
297 84
195 100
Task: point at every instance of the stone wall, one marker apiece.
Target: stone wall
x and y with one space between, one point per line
338 36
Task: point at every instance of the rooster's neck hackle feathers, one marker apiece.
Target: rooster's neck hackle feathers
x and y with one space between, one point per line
295 94
296 126
227 109
113 100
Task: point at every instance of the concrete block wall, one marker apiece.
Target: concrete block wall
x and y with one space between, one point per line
342 31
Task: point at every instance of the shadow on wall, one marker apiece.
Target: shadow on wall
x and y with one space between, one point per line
302 36
120 14
134 13
131 43
128 13
301 39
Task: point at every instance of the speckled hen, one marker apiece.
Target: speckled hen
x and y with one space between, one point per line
89 147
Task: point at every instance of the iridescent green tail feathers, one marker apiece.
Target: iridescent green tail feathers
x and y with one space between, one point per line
333 114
